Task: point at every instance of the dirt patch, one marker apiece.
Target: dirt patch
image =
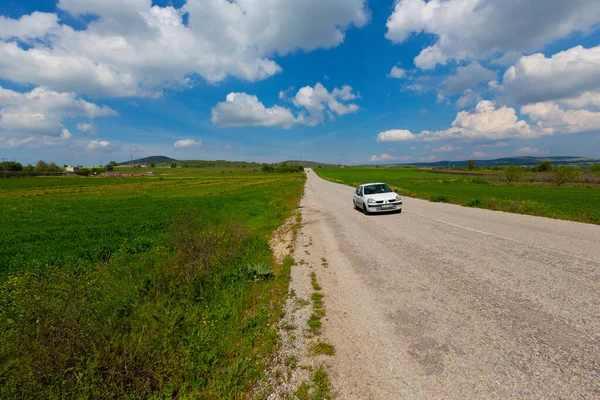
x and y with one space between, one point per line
282 242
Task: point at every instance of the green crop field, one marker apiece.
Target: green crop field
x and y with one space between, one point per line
577 202
141 287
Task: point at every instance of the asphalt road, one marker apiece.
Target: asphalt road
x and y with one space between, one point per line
444 301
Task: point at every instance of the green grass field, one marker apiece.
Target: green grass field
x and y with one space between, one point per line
151 287
576 202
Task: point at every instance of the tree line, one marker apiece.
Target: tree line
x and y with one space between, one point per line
282 168
44 167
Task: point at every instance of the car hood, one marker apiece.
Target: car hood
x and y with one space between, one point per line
381 196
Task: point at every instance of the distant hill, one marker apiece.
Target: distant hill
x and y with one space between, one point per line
150 160
499 162
310 164
218 164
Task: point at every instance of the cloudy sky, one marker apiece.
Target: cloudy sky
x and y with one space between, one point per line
341 81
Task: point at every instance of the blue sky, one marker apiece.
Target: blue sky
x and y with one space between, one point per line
88 81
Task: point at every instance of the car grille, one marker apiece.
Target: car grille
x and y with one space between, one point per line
379 202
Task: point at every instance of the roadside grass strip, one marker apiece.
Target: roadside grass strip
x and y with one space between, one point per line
161 287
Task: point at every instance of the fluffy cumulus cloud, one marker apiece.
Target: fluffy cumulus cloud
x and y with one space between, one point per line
136 49
566 75
87 128
241 109
313 103
36 25
447 149
395 135
551 118
487 121
180 144
468 98
39 115
466 78
530 150
100 146
479 29
491 145
397 73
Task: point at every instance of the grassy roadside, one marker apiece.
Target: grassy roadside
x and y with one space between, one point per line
575 202
140 288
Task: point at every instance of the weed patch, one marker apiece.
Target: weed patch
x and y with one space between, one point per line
319 347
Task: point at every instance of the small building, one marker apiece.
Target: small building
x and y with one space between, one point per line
72 170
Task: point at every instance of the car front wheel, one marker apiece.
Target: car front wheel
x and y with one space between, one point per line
365 209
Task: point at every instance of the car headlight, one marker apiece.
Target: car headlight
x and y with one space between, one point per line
370 201
398 198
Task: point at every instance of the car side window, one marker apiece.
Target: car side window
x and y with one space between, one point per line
358 191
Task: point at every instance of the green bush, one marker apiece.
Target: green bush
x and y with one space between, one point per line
565 174
513 173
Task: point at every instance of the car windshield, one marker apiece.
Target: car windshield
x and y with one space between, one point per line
378 188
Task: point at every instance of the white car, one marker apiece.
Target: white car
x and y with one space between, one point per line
376 197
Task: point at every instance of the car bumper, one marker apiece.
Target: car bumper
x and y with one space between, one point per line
384 207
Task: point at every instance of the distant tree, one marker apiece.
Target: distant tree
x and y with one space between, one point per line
267 168
544 166
152 165
113 163
65 165
41 166
471 165
52 167
173 165
513 173
566 174
109 167
11 166
84 171
28 168
595 169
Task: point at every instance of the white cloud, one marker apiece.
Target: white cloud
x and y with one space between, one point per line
135 49
485 122
317 99
42 111
242 109
490 145
479 29
88 128
529 150
587 100
466 78
469 97
383 157
395 135
36 25
100 145
479 154
447 149
180 144
551 118
565 75
397 73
